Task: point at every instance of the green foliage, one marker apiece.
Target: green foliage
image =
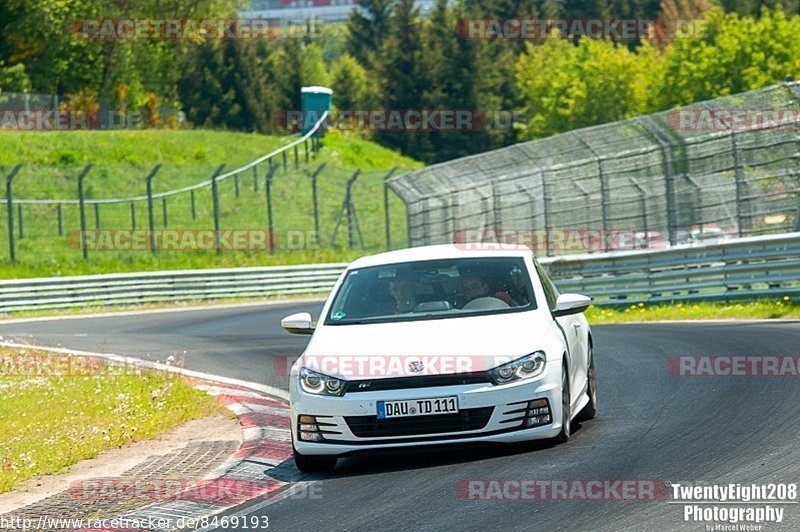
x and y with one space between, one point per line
567 87
729 54
403 75
349 81
313 70
367 29
387 56
14 79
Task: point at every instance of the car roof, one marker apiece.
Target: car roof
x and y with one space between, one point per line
443 251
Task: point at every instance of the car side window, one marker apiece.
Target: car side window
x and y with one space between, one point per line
550 290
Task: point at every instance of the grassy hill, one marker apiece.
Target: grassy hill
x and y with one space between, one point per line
122 159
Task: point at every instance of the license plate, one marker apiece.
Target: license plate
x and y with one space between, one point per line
417 407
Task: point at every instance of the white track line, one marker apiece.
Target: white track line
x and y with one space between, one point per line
122 313
119 359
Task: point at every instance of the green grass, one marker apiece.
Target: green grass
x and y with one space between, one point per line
54 417
781 307
122 159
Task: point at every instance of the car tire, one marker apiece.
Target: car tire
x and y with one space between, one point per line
566 431
590 410
313 464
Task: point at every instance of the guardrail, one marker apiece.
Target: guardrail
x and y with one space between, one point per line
746 268
155 287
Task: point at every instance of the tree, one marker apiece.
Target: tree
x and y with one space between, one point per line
729 55
313 70
350 89
368 27
568 87
403 77
452 65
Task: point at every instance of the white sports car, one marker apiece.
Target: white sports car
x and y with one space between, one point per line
439 345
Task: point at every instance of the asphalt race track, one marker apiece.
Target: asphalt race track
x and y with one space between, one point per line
651 425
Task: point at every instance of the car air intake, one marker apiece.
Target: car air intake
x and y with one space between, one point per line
372 427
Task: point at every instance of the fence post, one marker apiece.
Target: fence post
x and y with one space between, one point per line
643 205
133 216
268 192
60 217
386 217
305 146
97 216
348 210
164 212
255 178
741 183
698 198
236 184
797 220
215 200
314 203
604 201
296 158
285 167
669 177
151 221
81 201
587 198
10 207
546 216
21 221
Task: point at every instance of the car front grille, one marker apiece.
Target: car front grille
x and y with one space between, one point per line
372 427
427 381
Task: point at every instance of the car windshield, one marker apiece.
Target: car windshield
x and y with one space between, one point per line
431 290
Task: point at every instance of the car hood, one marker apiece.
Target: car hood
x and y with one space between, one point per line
429 347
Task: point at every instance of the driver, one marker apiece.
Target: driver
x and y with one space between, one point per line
403 290
474 285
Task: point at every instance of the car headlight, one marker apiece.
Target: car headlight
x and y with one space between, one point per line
319 384
526 367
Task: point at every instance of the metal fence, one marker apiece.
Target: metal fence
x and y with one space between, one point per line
748 268
154 287
60 211
727 166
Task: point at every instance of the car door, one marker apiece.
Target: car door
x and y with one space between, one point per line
572 328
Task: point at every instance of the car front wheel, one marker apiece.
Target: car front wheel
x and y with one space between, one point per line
313 464
565 433
590 410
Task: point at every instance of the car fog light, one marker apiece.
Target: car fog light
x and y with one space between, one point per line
311 436
538 413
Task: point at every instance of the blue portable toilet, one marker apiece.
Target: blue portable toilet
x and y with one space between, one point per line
316 100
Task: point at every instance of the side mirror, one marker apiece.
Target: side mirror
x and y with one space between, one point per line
567 304
299 323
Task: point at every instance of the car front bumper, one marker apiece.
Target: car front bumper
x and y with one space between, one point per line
355 412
